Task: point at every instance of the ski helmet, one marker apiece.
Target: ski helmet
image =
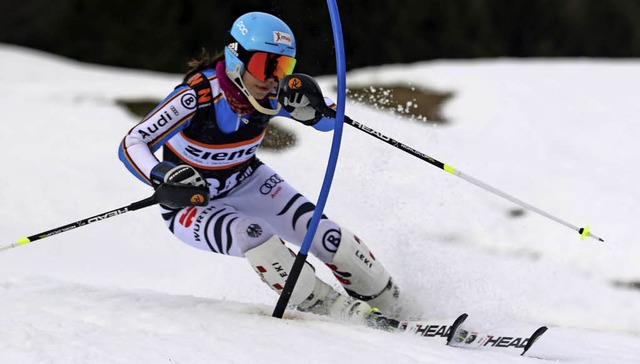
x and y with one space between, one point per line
255 35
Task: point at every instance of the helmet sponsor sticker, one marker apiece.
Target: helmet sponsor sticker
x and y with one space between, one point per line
233 47
282 38
242 28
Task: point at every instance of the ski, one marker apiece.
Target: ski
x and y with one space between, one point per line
460 336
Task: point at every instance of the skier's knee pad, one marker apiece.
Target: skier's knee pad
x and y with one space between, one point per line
362 275
272 260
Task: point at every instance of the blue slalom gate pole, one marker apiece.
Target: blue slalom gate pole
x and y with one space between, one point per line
301 258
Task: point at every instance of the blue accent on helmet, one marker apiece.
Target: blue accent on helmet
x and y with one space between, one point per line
257 31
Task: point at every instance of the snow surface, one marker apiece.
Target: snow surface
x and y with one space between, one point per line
559 134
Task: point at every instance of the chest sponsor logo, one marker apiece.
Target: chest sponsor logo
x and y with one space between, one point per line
218 157
213 157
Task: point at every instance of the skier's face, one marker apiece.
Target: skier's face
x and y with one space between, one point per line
257 88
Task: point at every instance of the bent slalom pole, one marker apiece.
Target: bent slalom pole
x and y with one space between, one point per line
301 257
168 194
313 92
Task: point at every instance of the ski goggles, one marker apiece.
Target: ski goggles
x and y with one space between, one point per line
263 65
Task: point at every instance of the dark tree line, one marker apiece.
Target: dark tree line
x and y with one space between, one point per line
163 34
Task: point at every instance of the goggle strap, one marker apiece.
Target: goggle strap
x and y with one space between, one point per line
253 101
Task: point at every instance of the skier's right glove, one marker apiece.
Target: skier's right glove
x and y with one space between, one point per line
179 186
167 172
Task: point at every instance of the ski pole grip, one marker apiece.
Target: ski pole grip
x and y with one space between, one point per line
306 85
176 195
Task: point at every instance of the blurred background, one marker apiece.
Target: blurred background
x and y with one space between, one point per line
162 35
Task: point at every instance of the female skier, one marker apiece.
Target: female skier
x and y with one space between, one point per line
211 127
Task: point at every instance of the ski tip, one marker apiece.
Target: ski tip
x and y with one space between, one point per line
536 335
455 326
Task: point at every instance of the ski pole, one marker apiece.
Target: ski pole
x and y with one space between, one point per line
169 194
311 89
583 231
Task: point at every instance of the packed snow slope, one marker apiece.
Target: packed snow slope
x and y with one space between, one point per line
559 134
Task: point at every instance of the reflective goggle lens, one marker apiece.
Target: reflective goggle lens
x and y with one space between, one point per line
263 65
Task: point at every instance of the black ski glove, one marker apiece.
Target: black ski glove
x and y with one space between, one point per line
179 186
300 108
300 101
167 172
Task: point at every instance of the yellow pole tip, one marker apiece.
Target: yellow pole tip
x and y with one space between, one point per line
584 232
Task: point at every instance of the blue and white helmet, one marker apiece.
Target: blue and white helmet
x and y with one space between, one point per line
256 31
